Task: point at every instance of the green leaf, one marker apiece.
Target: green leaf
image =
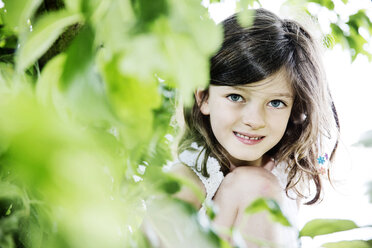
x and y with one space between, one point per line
47 90
365 139
189 184
190 18
326 226
80 56
269 205
148 11
9 210
189 77
355 40
45 32
133 101
246 14
8 190
164 218
325 3
246 17
224 244
6 75
329 4
245 4
360 19
369 191
328 41
81 84
171 187
17 13
116 15
348 244
73 5
338 35
137 53
8 40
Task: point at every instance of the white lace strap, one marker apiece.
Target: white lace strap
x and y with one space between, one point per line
215 178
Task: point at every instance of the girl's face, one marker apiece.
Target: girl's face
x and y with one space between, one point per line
248 120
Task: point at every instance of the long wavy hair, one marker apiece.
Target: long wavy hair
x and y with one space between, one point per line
250 54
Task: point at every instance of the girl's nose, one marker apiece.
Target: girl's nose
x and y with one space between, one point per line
253 116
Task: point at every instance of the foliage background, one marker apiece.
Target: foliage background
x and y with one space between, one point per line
88 94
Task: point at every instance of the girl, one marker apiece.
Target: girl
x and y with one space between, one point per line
257 130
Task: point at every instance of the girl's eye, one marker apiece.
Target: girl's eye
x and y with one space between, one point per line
235 98
277 104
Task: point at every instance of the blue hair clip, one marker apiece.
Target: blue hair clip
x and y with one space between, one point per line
321 161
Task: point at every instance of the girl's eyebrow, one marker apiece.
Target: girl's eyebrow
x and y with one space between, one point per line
279 94
287 95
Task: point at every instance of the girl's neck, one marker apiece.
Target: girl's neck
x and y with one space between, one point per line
261 162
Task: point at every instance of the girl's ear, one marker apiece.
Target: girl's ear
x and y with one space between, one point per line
201 97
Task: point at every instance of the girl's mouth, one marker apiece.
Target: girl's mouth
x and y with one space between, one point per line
249 140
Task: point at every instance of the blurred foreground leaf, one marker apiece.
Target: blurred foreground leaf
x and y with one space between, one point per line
369 191
16 14
45 32
326 226
269 205
69 171
365 139
247 13
326 3
148 11
349 244
176 225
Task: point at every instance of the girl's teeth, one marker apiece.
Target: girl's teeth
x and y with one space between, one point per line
246 137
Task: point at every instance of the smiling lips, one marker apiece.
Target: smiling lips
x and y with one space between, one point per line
249 139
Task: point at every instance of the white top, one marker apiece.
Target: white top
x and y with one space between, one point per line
289 207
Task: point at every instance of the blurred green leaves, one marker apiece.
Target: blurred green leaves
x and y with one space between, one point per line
75 134
66 170
344 30
325 226
318 227
271 207
133 102
353 40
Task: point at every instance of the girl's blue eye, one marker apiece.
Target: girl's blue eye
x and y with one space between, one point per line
235 98
277 104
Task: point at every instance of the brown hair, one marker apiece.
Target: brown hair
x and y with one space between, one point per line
250 54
